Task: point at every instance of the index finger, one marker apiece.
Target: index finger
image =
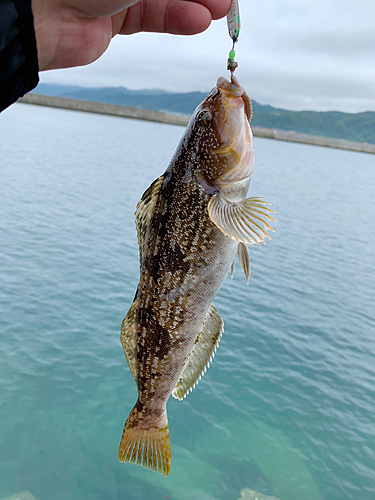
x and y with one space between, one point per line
180 17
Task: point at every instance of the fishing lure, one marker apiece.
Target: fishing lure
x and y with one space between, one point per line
234 26
233 20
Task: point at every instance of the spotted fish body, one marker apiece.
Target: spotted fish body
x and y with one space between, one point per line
190 223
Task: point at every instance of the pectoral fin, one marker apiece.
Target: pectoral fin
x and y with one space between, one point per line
128 338
201 354
245 222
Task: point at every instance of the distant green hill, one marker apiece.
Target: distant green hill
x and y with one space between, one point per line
352 126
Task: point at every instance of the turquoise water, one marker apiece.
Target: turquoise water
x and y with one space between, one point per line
287 407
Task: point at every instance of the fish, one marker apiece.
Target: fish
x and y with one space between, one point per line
190 223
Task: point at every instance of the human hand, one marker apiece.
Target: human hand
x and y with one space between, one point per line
77 32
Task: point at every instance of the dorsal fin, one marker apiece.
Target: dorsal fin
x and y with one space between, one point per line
202 353
128 338
144 213
241 221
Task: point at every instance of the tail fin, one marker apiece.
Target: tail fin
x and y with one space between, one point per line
146 446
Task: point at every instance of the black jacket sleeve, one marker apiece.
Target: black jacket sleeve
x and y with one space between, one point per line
18 53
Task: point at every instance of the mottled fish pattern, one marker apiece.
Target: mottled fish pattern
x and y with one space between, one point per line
190 223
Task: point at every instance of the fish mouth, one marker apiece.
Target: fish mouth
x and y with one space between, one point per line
233 86
235 90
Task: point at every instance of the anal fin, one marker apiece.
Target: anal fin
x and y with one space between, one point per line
202 353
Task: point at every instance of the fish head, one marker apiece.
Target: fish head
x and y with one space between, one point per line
224 145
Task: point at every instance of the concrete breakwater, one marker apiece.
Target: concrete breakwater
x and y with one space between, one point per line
157 116
104 109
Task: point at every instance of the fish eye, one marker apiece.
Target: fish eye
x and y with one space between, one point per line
205 118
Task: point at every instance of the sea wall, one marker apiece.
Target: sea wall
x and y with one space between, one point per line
103 109
157 116
315 140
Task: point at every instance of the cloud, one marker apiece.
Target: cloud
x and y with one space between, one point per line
299 55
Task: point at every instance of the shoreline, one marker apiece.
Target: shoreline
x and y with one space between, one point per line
159 117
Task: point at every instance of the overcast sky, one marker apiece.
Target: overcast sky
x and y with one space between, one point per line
294 54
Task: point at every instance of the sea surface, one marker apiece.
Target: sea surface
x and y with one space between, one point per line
287 407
